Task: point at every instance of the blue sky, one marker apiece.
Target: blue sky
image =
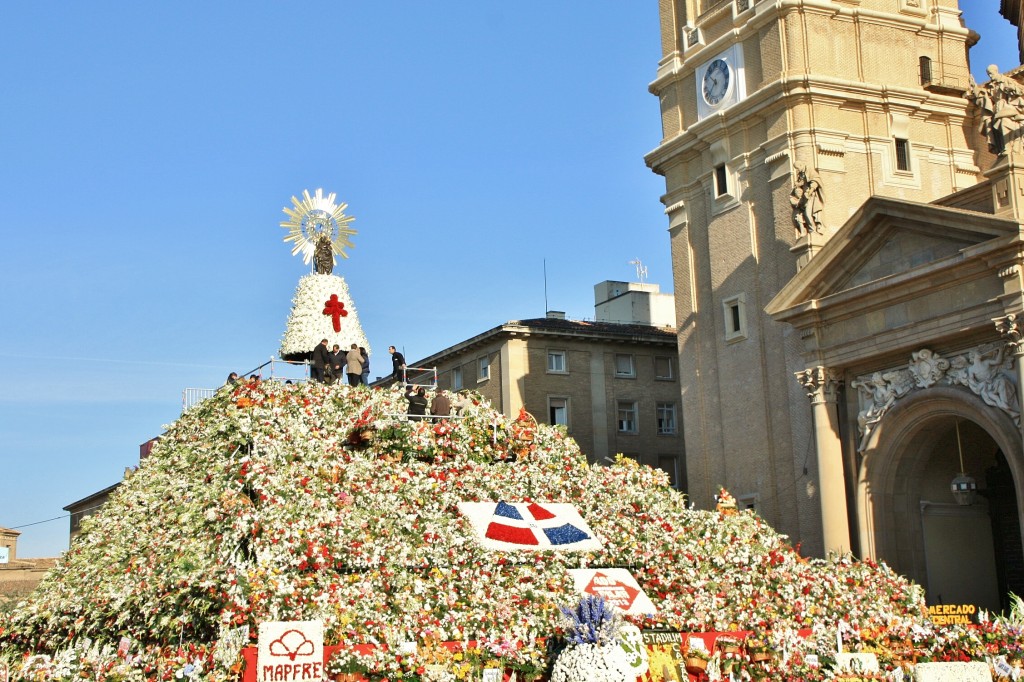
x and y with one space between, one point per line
146 152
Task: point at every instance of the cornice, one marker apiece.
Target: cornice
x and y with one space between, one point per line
686 62
515 329
789 91
975 262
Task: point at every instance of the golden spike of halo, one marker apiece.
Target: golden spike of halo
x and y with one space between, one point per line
316 216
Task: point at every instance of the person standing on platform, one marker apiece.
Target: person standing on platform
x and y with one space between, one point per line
440 406
336 365
417 403
319 362
366 366
355 366
398 363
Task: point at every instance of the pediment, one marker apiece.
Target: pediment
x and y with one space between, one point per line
888 239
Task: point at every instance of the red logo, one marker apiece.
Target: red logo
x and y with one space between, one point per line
615 592
291 644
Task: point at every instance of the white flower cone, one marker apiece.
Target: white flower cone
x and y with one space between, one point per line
592 663
308 324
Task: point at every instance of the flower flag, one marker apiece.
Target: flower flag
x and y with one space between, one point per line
529 526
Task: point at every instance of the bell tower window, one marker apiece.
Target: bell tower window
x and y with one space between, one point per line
902 154
721 181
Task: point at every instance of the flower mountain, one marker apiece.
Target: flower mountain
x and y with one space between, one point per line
299 502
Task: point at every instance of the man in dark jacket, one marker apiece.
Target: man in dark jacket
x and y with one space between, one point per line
417 402
320 360
440 406
398 363
336 366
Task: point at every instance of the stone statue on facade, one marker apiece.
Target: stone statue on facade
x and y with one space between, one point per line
807 199
1001 104
878 393
986 370
989 376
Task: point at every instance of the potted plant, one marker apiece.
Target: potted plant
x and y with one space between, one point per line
697 660
758 650
728 646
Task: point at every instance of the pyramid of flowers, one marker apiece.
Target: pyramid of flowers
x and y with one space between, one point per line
312 502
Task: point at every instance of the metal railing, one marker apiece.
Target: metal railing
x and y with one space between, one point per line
420 376
271 370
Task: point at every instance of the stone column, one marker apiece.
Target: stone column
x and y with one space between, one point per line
1013 332
821 384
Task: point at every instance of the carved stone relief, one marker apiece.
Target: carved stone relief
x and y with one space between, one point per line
986 370
820 383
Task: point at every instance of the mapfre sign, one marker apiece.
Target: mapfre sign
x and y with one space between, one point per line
291 651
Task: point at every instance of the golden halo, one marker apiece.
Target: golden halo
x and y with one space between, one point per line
314 217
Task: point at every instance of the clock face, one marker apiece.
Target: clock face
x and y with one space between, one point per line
716 82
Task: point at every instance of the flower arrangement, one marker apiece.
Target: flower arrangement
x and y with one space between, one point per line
348 664
591 621
255 505
593 652
697 660
307 323
726 503
758 649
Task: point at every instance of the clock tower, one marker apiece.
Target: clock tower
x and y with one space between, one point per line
780 119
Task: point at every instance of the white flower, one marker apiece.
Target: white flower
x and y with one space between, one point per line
307 323
592 663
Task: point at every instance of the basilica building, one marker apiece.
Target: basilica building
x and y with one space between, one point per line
845 209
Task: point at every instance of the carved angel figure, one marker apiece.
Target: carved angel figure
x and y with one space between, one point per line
878 393
985 374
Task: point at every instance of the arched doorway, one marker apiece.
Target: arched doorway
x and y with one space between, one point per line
907 515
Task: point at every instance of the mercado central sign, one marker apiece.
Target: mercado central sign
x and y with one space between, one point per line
953 614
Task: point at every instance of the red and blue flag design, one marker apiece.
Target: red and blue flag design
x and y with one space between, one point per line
521 527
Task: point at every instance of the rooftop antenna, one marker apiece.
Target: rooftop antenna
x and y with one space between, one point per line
546 286
641 269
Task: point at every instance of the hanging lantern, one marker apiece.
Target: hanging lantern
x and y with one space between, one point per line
964 489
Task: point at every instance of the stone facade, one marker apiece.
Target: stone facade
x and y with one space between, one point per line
835 217
839 87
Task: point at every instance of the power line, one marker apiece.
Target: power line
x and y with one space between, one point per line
56 518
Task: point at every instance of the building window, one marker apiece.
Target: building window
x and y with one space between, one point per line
721 181
926 69
483 369
627 417
456 378
664 367
735 311
558 411
748 501
556 362
666 419
670 465
902 154
624 365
